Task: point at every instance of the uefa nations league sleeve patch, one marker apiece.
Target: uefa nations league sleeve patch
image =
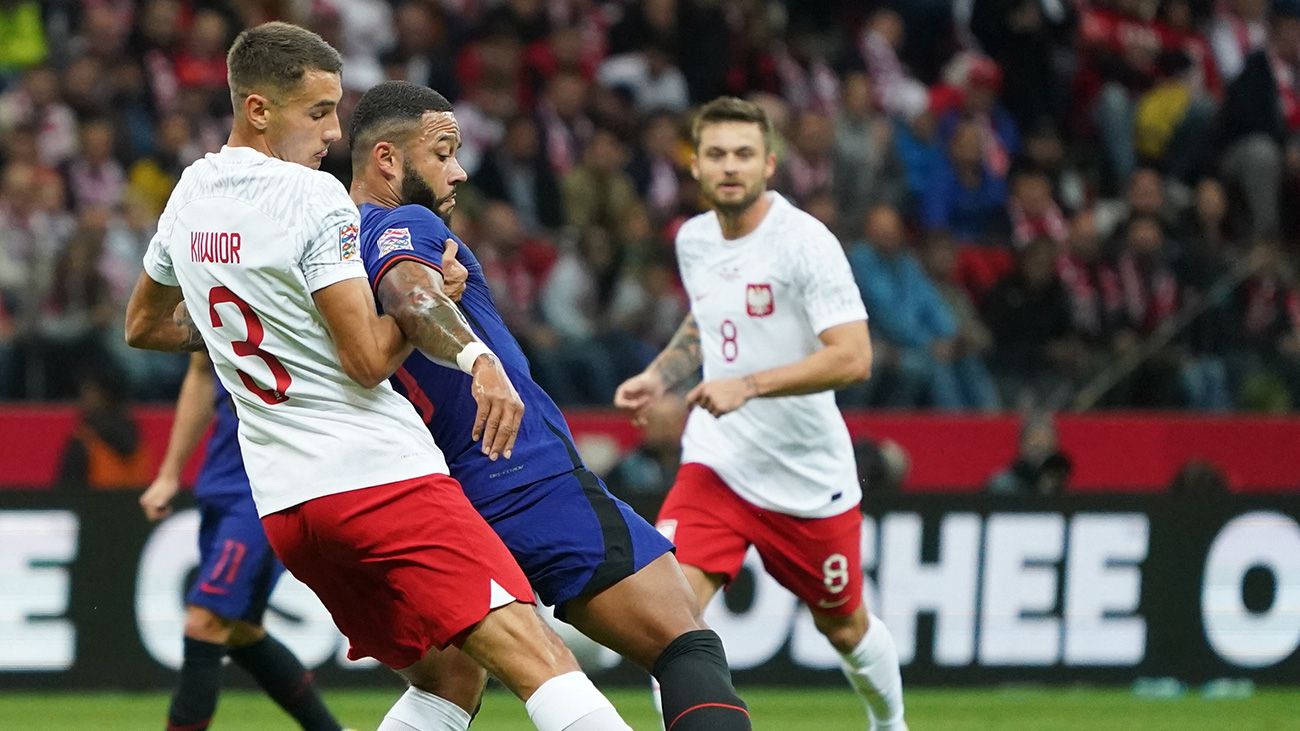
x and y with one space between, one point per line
349 243
394 239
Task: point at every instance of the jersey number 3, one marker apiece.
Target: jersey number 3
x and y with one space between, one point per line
251 347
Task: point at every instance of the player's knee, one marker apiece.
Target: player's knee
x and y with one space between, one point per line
203 624
450 675
245 633
844 633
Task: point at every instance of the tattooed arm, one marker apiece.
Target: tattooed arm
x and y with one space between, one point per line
156 318
413 294
677 368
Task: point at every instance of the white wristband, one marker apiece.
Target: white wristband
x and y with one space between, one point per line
465 359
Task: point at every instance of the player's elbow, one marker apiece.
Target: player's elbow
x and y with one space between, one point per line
139 332
857 367
366 375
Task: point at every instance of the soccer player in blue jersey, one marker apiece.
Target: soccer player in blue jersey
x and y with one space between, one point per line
605 569
237 569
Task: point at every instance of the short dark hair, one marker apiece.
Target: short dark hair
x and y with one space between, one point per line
731 109
272 58
389 112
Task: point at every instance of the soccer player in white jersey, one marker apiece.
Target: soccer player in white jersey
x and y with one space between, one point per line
351 489
778 324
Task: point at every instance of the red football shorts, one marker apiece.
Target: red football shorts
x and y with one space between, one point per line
402 568
818 559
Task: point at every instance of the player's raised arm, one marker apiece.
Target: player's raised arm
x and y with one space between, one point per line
156 318
414 294
676 368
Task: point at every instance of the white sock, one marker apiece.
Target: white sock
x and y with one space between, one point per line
872 670
420 710
569 702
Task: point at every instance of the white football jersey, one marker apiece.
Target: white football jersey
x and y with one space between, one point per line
248 238
760 302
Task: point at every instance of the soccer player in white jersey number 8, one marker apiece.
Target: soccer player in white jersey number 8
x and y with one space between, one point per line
352 491
778 324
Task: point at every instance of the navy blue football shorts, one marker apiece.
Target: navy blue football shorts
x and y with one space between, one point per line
571 536
237 568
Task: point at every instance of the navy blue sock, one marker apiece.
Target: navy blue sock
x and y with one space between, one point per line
286 681
195 697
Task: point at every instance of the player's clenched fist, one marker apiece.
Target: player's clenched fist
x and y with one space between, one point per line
722 396
638 392
499 408
157 500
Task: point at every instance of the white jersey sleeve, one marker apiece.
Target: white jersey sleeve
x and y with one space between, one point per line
830 294
157 258
333 253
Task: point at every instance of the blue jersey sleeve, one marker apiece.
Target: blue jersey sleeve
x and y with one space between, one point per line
407 233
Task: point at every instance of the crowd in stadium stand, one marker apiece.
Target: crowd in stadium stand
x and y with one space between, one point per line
1046 203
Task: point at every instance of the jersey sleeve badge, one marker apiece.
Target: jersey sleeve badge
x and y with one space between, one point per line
349 242
759 301
394 239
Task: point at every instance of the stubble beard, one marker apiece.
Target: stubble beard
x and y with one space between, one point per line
733 209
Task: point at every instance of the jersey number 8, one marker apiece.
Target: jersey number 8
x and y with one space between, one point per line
730 346
251 347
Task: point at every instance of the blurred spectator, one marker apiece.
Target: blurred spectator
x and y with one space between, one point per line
808 166
897 92
918 147
1239 28
1173 118
201 63
599 192
583 369
1041 468
913 331
106 452
1025 38
76 310
867 169
421 49
517 173
1044 150
564 49
482 119
152 177
1029 314
1032 211
95 177
650 468
966 198
656 167
1090 284
1259 123
367 30
804 72
1199 480
1144 196
1269 312
1150 294
979 81
974 340
35 103
563 121
650 76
